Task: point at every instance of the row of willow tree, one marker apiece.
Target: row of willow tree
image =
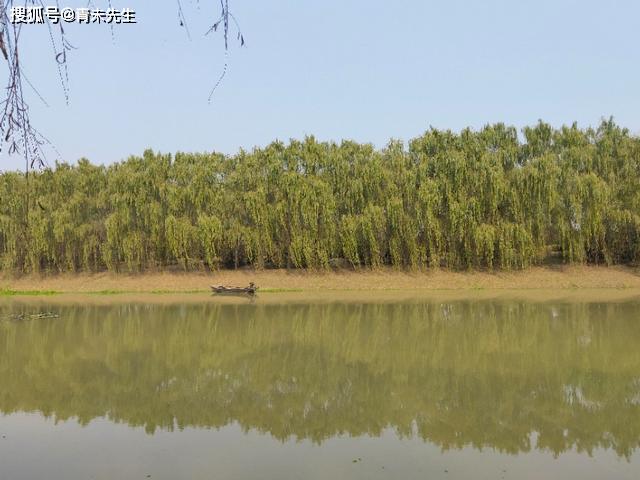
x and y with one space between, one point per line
474 199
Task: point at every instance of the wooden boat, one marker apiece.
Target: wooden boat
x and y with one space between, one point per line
250 290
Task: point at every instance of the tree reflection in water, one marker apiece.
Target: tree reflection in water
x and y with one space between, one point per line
507 375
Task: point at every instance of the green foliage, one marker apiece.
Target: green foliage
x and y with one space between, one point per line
470 200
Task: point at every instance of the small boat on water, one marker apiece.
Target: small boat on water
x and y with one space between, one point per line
250 290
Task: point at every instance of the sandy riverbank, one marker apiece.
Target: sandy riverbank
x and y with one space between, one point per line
548 278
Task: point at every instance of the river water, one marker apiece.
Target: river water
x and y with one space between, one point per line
339 388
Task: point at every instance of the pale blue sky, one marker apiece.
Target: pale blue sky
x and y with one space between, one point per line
363 70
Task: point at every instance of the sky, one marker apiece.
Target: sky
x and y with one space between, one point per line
337 69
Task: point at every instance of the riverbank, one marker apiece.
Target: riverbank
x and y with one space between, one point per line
548 278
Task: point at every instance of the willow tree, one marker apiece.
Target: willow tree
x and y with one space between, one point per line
468 200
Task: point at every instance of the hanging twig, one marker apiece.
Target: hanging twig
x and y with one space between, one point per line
17 134
223 20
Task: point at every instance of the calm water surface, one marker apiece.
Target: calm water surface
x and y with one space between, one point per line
424 389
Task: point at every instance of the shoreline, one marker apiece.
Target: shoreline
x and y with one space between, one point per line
282 281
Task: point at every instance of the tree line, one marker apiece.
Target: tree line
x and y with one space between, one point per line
474 199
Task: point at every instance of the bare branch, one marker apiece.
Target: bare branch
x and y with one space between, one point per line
223 20
17 134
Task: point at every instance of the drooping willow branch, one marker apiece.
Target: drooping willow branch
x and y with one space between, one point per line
17 133
223 20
